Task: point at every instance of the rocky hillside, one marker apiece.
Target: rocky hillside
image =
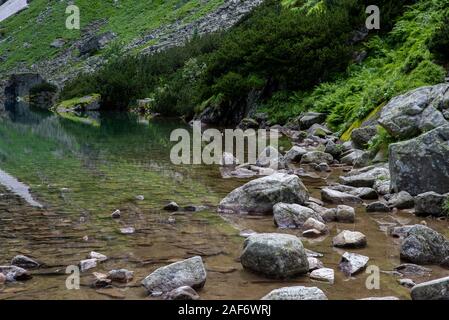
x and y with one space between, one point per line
36 40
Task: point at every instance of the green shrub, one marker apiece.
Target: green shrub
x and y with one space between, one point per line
439 44
446 207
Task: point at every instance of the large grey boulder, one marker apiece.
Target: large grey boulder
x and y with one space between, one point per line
296 293
361 136
274 255
431 203
423 245
415 112
421 164
190 272
432 290
14 273
293 215
260 195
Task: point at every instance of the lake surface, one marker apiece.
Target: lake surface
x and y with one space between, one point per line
82 169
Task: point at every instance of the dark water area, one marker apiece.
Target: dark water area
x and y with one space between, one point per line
82 169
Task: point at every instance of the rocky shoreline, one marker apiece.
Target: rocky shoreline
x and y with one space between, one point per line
419 187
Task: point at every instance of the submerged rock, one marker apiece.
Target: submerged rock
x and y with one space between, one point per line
432 290
260 195
275 255
423 245
349 239
420 165
14 273
409 269
293 215
121 275
296 293
87 264
190 272
352 263
95 255
24 262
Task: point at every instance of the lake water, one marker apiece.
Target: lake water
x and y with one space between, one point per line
83 169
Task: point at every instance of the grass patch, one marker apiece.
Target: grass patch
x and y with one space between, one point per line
29 34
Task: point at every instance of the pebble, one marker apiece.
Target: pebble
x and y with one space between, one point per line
314 263
172 206
408 283
127 230
87 264
95 255
116 214
121 275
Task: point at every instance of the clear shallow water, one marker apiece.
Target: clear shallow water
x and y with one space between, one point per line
82 170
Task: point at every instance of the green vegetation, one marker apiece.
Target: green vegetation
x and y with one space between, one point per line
82 102
381 141
446 207
288 57
397 62
30 33
274 49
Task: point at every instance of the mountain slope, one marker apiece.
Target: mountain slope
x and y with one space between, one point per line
26 38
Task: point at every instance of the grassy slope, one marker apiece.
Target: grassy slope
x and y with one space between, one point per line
129 20
397 63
